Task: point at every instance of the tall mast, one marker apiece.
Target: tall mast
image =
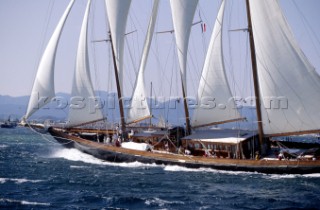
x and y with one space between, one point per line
255 79
151 105
186 111
122 121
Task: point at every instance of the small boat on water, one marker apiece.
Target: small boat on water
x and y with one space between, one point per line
282 109
9 123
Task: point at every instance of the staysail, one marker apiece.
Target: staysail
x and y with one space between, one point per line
215 102
117 12
139 108
182 15
43 87
85 108
289 84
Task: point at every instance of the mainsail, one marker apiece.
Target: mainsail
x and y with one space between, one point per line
215 104
43 88
117 12
86 108
182 15
289 84
139 108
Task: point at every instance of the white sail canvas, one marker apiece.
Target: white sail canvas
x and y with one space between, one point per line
117 12
43 88
82 90
182 15
139 108
215 104
289 84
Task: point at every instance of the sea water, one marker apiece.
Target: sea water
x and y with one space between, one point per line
38 173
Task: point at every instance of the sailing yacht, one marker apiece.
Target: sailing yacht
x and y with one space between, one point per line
276 61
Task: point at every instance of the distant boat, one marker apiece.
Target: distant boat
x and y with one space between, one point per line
9 123
276 62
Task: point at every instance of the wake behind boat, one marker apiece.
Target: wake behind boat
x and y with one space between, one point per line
282 109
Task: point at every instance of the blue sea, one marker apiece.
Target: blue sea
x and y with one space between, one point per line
38 173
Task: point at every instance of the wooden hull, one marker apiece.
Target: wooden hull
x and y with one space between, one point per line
118 154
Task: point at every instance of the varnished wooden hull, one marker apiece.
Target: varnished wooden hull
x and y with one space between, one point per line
118 154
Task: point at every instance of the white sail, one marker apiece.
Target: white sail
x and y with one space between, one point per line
182 15
43 87
289 84
215 104
84 108
139 108
117 11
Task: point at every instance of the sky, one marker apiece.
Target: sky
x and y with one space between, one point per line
26 27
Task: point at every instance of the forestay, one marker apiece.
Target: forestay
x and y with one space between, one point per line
43 87
289 84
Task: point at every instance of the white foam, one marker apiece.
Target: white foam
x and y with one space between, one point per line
160 202
282 176
76 155
315 175
3 146
292 176
23 202
72 166
209 170
18 181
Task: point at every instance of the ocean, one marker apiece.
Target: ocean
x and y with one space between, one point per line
38 173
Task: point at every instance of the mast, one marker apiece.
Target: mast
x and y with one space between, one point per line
122 120
186 111
182 16
150 105
255 79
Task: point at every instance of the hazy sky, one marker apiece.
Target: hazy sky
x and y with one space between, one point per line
26 27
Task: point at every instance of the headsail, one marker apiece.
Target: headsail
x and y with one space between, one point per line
117 12
215 104
82 90
289 84
139 108
182 15
43 87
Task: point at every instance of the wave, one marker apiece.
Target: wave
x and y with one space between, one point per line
76 155
161 202
23 202
18 181
3 146
209 170
293 176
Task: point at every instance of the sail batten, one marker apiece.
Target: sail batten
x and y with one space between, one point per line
88 109
215 101
43 88
139 109
289 84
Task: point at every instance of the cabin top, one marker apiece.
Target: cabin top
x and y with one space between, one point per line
146 134
226 136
